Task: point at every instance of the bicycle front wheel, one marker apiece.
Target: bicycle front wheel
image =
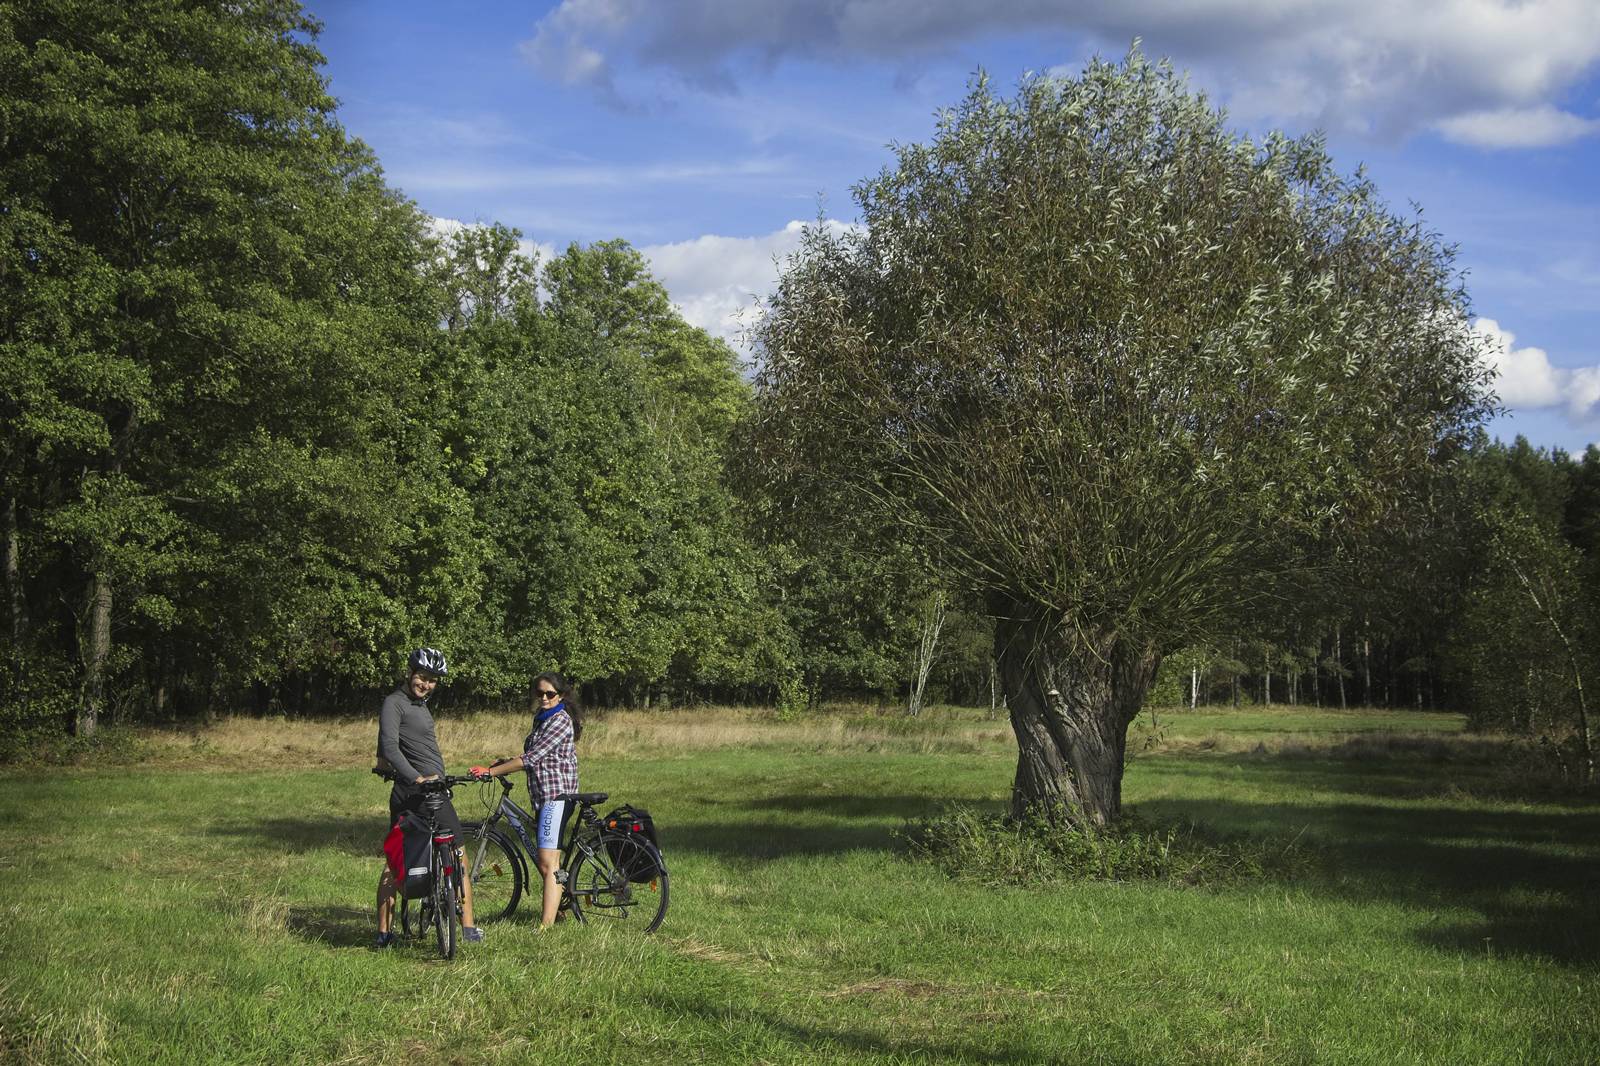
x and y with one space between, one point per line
598 885
496 871
445 918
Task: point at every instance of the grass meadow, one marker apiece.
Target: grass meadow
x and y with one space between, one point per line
209 901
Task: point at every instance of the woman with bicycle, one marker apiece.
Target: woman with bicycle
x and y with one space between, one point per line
550 756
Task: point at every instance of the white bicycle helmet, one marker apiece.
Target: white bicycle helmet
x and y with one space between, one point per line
428 661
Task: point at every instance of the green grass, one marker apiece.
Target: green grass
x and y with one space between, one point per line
194 911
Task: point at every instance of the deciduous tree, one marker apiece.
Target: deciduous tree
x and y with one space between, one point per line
1117 371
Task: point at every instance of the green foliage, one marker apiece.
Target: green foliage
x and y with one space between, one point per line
693 379
1055 847
36 702
794 699
1169 408
665 585
287 433
219 430
1525 644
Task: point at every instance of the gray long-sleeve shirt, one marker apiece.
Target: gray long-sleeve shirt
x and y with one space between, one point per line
407 739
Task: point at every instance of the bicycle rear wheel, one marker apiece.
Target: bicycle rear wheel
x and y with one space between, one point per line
496 870
414 921
598 886
446 919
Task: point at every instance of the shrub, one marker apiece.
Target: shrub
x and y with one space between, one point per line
1053 848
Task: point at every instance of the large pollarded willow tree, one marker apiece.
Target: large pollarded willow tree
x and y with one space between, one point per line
1118 371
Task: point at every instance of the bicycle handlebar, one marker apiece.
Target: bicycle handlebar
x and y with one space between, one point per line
438 784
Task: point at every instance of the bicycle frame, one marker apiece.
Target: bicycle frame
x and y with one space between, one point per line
585 842
519 818
441 907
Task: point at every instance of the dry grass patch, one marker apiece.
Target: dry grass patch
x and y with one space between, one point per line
242 741
1435 747
466 738
889 986
696 949
261 915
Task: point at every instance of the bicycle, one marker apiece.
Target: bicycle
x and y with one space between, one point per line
440 906
609 869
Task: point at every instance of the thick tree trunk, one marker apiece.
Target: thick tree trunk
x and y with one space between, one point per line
96 653
1071 706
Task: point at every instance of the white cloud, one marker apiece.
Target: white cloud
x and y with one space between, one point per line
1525 377
1390 67
558 48
1514 127
716 281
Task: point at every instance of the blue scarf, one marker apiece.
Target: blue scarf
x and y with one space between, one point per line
544 716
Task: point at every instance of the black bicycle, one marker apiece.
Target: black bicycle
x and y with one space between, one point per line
439 905
610 867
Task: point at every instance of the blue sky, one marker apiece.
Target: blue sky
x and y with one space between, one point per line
704 132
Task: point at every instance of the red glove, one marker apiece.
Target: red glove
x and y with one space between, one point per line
481 773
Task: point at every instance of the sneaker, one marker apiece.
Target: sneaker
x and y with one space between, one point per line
385 940
471 933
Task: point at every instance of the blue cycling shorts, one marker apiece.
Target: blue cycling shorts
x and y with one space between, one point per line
552 815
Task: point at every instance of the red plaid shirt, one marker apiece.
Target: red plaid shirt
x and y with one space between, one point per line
551 759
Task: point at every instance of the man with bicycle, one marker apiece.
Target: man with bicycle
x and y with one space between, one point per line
408 747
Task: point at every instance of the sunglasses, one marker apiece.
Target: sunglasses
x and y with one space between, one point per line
548 694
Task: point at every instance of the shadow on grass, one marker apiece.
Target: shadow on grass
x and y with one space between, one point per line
855 823
1531 875
824 1042
354 927
847 805
1384 777
1563 933
352 834
339 927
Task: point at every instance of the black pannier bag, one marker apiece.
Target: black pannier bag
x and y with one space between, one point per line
416 844
636 864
